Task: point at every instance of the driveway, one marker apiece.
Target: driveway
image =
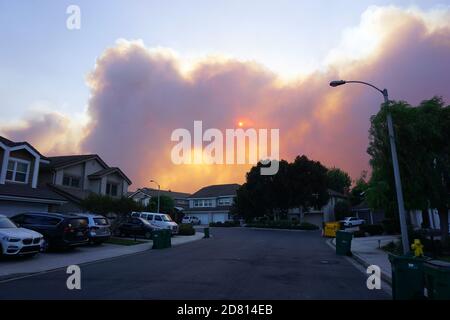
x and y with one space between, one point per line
236 263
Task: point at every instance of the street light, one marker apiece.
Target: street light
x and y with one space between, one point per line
398 182
159 189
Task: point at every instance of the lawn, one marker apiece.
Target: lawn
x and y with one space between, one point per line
124 242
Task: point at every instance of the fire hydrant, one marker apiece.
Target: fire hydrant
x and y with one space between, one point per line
417 246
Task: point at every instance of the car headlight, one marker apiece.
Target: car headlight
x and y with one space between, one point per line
9 239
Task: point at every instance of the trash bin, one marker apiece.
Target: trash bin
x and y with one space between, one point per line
407 277
206 231
343 243
437 279
167 238
158 239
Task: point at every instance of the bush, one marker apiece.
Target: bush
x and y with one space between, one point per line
372 229
359 234
284 224
186 230
226 224
391 226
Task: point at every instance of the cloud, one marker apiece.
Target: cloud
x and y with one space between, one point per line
139 95
50 132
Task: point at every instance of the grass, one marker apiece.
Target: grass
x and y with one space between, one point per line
124 242
444 258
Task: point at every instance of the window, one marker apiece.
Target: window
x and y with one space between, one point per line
225 202
111 189
71 181
203 203
158 218
18 170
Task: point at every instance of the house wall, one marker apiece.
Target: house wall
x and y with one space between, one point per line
11 208
45 177
90 167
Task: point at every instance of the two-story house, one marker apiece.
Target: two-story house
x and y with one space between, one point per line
76 177
20 191
144 195
212 203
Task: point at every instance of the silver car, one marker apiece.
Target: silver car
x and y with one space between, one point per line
99 228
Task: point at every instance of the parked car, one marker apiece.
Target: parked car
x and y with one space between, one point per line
158 220
99 228
352 222
135 226
18 241
60 230
190 220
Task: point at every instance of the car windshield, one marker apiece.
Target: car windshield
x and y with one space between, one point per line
101 221
5 223
166 217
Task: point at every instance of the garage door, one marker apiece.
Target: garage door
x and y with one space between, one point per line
220 217
203 217
11 208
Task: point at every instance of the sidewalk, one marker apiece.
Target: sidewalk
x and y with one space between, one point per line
17 266
366 251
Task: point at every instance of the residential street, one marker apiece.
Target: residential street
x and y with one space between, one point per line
236 263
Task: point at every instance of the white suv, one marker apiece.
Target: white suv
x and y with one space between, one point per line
190 220
18 241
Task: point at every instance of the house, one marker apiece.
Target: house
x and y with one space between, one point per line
76 177
144 195
318 216
20 191
371 216
212 203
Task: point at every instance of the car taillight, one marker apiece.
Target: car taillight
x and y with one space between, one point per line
68 230
94 228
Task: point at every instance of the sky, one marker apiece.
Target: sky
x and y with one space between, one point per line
137 70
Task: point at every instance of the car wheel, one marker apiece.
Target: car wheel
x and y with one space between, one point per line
148 235
1 252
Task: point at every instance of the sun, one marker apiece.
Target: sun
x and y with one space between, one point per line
241 124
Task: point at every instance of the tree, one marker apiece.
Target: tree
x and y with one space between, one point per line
423 136
358 192
166 205
338 180
342 209
302 183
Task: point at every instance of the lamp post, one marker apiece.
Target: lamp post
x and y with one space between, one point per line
159 189
398 182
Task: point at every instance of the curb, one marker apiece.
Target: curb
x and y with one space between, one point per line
385 277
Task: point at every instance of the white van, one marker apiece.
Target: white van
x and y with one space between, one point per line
158 220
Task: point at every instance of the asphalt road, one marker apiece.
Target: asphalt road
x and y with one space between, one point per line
236 263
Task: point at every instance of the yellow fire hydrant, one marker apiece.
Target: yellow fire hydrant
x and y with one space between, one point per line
417 246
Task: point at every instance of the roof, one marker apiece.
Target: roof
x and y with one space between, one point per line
362 206
73 194
26 191
154 193
336 194
107 171
63 161
12 144
217 190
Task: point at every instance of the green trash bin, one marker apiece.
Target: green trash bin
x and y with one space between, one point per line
407 277
167 238
437 279
206 231
343 243
158 239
